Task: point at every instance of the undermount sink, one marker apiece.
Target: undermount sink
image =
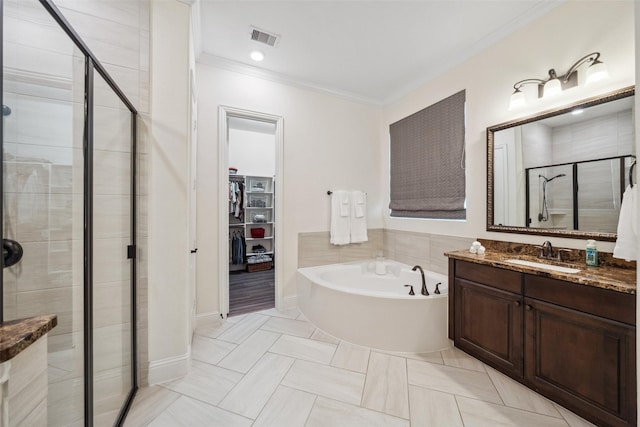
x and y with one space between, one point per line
543 266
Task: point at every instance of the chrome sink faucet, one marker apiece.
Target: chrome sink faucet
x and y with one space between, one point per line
424 290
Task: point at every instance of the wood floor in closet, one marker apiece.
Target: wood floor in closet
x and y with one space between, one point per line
250 292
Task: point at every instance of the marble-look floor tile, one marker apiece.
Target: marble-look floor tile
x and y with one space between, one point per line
302 348
572 419
210 350
327 381
517 396
329 413
434 357
385 388
243 328
459 359
462 382
205 382
320 335
149 403
249 352
283 325
433 408
476 413
238 318
215 329
250 395
189 412
288 313
287 407
302 317
351 357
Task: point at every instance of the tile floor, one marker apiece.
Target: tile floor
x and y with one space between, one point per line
276 369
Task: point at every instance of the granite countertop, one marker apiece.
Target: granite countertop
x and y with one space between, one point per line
610 274
17 335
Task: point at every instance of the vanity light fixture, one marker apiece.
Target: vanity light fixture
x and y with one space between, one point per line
554 84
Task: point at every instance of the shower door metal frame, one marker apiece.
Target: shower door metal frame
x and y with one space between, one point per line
92 64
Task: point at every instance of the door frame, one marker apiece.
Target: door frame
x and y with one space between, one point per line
224 112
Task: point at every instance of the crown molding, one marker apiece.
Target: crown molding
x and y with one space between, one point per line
238 67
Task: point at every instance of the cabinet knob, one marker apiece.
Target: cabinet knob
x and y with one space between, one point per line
528 307
518 303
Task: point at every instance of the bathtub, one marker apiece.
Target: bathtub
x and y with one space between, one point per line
352 303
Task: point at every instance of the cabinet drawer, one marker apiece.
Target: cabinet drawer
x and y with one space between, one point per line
597 301
506 280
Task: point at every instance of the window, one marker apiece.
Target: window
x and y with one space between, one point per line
427 162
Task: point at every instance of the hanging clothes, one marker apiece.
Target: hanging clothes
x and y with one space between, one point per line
239 206
238 248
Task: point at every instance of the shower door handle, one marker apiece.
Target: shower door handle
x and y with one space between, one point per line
11 252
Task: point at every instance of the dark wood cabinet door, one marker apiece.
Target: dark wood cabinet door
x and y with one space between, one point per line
584 362
488 325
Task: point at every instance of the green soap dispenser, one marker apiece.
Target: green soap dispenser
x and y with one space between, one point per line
592 253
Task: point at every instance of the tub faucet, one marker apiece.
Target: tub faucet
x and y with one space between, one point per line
424 290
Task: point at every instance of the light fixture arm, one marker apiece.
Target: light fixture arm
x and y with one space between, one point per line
521 83
591 58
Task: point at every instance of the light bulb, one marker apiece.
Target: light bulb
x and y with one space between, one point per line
256 55
596 72
552 88
517 100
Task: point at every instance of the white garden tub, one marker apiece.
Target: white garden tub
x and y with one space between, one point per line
351 302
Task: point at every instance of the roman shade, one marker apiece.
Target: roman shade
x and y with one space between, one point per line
427 162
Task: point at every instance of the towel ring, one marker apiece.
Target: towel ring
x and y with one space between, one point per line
631 173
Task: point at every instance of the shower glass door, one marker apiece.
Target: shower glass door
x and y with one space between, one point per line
68 144
112 233
43 164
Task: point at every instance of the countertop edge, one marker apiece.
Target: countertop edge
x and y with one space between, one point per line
18 335
589 276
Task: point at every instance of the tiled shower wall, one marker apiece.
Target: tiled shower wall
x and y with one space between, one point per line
426 250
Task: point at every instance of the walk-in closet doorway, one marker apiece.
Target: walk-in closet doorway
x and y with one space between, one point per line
250 153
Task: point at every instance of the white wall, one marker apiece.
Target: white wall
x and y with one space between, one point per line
556 40
252 153
329 144
168 199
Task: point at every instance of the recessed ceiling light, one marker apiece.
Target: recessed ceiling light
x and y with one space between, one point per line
256 55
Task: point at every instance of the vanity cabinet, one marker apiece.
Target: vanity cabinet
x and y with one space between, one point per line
580 348
488 315
573 343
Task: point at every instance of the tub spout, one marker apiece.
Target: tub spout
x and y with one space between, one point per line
424 290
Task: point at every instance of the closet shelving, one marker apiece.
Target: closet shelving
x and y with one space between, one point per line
257 213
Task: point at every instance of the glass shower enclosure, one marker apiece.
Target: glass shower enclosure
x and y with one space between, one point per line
68 201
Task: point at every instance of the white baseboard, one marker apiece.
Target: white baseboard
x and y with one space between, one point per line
289 302
168 369
203 319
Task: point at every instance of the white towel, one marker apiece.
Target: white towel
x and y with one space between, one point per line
345 207
358 217
627 241
340 225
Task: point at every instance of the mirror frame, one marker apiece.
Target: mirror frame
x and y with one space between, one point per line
574 234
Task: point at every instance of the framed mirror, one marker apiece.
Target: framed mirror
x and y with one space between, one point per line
562 172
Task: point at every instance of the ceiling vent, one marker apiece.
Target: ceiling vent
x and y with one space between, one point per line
264 37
